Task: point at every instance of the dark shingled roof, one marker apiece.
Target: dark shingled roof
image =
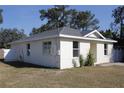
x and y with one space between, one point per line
55 32
73 32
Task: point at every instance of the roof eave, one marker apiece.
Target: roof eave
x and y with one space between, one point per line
34 39
90 39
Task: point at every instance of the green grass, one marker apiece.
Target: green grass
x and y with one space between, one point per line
35 76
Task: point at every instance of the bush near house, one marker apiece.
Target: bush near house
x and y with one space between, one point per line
81 60
89 60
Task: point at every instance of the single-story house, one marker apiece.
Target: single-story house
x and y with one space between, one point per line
61 47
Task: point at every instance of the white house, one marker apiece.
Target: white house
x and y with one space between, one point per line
61 47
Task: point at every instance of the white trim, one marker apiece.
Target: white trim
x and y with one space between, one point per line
66 36
85 38
94 32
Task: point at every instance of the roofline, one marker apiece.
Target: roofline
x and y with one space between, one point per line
67 36
91 39
93 32
34 39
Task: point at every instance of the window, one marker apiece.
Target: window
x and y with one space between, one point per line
75 49
47 48
28 49
105 49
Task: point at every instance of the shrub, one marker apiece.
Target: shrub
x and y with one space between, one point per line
81 60
89 60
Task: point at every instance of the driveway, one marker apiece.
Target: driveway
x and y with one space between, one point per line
112 64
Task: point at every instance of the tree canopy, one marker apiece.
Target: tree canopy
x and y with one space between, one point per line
118 15
9 35
116 30
61 15
110 34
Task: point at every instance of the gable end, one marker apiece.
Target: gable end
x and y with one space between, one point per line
95 34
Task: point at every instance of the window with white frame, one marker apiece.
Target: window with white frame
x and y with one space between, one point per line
47 48
28 50
75 49
105 49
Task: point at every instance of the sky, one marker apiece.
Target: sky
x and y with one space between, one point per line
27 17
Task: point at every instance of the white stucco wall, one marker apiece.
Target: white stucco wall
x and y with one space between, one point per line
101 58
66 55
36 55
84 48
62 52
97 48
66 51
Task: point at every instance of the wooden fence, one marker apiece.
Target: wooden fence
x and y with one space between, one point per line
118 54
1 54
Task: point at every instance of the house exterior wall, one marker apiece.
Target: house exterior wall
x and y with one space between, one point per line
66 55
101 58
36 53
97 48
62 52
84 48
66 52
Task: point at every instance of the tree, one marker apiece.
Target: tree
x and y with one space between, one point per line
85 20
118 15
61 15
81 60
10 35
1 18
34 31
56 16
107 33
90 59
110 34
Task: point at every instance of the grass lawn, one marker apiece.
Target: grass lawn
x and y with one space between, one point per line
16 75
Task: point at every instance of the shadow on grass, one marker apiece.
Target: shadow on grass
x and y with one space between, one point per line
19 64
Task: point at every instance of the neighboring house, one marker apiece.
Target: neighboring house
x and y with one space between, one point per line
61 47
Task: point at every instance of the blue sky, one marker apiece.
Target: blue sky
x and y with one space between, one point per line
27 17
